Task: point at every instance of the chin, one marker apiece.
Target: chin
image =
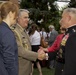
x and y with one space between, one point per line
26 25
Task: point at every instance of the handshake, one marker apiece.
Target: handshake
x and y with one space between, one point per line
42 55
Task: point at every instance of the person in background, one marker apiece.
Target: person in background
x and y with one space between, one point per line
43 33
52 37
8 45
26 56
35 39
38 29
53 34
53 51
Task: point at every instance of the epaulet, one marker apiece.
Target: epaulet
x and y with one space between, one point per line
13 28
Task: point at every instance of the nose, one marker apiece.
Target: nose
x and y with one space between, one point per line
60 22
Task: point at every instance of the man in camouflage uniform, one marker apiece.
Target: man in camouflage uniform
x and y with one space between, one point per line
24 47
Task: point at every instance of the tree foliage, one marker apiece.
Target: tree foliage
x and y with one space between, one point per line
72 3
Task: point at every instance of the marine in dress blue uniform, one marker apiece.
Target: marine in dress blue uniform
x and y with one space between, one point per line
69 51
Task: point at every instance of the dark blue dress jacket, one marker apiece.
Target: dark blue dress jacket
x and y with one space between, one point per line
8 51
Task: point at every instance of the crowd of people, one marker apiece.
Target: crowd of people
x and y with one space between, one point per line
20 50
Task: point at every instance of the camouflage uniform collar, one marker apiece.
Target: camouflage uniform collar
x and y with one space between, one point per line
20 28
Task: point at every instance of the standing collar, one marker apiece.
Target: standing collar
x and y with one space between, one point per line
71 28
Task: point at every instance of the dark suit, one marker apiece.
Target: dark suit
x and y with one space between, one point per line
68 51
52 37
8 51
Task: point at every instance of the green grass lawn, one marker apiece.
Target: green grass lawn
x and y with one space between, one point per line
45 71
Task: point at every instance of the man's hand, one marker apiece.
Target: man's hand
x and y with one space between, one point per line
41 54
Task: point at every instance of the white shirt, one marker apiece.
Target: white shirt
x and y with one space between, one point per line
44 34
35 38
49 34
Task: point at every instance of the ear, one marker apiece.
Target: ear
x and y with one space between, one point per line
10 14
69 17
18 19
